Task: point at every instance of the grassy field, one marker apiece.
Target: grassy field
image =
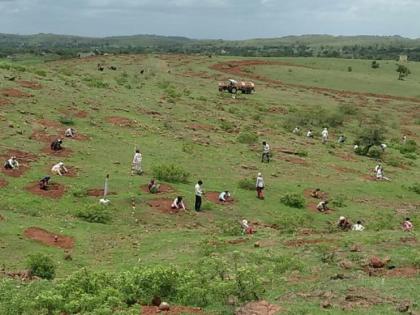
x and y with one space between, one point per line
175 115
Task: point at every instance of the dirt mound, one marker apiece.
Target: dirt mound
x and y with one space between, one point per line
64 152
55 190
313 207
163 189
174 310
48 238
162 205
302 242
121 121
30 85
196 127
14 93
214 197
402 272
24 159
258 308
4 101
307 193
42 136
75 112
98 192
47 123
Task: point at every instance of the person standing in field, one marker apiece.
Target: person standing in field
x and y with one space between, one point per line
260 186
324 135
266 152
136 164
198 195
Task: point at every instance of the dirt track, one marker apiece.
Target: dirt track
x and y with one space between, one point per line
236 68
50 239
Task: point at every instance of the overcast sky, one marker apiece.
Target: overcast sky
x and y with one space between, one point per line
227 19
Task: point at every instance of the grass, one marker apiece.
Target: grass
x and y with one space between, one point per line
222 157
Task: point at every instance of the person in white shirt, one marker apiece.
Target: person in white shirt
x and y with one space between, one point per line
323 206
70 133
379 170
324 134
310 134
59 169
224 196
266 153
11 164
383 146
178 203
136 164
358 227
296 131
198 195
246 227
260 186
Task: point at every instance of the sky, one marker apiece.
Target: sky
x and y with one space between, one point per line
211 19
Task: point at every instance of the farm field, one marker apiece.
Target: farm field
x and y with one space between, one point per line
169 107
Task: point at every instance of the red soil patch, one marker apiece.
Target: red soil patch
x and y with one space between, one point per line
64 152
302 242
14 93
258 308
121 121
237 241
162 205
3 183
49 123
313 208
174 310
24 159
42 136
403 272
30 85
196 127
48 238
307 193
237 68
294 160
72 171
214 197
76 113
4 101
163 189
97 192
55 190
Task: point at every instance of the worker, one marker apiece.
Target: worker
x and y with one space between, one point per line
59 169
56 145
344 224
380 173
153 186
260 186
358 227
296 131
324 135
70 133
342 139
266 152
198 195
178 203
383 146
407 225
246 227
323 206
136 164
11 164
224 196
44 182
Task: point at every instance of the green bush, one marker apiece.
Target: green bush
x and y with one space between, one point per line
227 126
230 228
348 109
170 173
247 184
409 147
66 121
370 136
291 223
338 201
247 137
293 201
79 191
41 266
375 152
40 73
95 214
4 66
415 188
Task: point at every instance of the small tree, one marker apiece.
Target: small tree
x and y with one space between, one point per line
403 72
375 64
41 266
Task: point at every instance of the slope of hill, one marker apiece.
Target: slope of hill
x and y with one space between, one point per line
117 259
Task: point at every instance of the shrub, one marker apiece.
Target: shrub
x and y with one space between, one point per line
415 188
41 266
290 223
302 153
375 64
170 173
411 156
348 109
338 201
370 136
4 66
230 228
247 137
66 121
349 69
375 152
78 191
409 147
247 184
95 214
293 201
41 73
227 126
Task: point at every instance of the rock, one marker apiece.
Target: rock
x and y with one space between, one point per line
346 264
376 262
164 306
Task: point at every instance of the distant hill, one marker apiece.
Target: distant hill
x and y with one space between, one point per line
369 47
